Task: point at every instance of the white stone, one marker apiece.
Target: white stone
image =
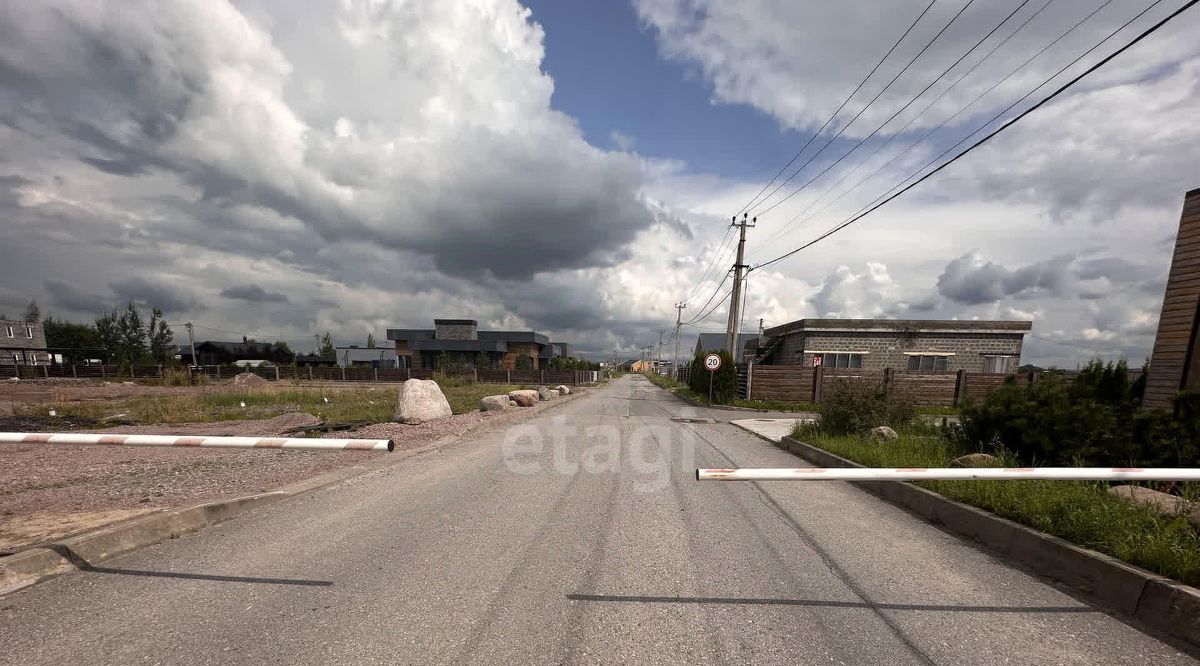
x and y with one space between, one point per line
494 403
563 389
421 400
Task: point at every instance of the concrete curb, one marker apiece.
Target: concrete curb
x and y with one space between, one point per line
1158 602
34 565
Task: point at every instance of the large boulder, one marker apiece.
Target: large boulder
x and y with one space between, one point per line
546 393
494 403
884 434
524 397
421 400
563 389
976 460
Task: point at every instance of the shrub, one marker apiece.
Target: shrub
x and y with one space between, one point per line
857 406
724 380
1092 419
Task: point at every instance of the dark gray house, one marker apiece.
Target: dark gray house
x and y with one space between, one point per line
900 344
22 343
459 342
706 342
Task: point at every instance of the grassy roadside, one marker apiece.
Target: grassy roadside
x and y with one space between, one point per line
331 404
1080 512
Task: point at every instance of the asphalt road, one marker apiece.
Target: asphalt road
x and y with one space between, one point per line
494 551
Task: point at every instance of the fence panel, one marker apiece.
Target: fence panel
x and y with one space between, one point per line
360 374
393 374
790 383
924 388
976 385
493 376
556 377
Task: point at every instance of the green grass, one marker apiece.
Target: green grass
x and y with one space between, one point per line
355 404
1081 512
776 405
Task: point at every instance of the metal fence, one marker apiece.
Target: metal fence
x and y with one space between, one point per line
290 373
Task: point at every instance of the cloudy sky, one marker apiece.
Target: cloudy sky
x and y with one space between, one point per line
281 169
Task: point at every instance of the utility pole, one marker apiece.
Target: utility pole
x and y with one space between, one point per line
735 304
658 357
192 341
760 329
678 317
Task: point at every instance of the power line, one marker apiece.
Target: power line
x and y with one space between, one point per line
902 109
840 107
710 298
1003 127
868 104
956 114
919 114
717 304
713 263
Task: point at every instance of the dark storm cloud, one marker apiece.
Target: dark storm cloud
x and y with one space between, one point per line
150 294
254 294
71 297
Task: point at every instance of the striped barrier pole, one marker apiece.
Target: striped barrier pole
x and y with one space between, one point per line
951 474
78 438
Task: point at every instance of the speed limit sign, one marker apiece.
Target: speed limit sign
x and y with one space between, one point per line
712 362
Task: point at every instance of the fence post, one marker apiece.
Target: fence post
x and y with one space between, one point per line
407 372
376 369
276 373
310 373
750 380
74 372
218 373
475 374
543 376
960 387
508 376
132 371
818 374
343 373
887 381
101 371
46 371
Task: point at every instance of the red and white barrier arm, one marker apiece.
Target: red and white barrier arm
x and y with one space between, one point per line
951 474
78 438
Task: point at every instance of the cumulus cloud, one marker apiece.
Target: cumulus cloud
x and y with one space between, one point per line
972 279
845 293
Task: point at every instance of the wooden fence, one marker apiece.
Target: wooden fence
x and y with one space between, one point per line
934 389
288 373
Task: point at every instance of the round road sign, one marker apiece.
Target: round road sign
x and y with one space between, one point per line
712 362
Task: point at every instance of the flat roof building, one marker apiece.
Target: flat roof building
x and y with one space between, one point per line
460 343
900 344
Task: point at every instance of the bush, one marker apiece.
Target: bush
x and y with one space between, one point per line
1092 419
724 380
857 406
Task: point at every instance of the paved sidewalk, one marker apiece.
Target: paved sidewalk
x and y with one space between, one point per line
770 429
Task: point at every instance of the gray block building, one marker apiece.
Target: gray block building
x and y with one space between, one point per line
914 345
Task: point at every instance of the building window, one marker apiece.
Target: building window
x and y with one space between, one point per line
999 364
10 333
841 360
29 332
928 362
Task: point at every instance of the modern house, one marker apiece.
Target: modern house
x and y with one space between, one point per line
22 343
460 343
900 344
367 357
210 352
1175 362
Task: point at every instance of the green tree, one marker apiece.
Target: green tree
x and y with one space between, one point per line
69 335
124 335
370 340
327 349
285 354
523 362
160 336
33 314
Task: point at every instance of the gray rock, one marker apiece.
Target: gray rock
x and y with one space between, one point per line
563 389
976 460
546 393
524 397
883 434
421 400
494 403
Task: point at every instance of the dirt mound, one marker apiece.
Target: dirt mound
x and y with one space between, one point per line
249 380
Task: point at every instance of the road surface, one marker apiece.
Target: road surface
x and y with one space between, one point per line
491 551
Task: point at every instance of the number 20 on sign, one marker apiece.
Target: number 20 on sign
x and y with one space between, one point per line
712 362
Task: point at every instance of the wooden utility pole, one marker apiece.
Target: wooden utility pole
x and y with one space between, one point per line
192 342
735 302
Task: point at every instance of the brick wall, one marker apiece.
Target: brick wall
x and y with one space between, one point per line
1175 362
886 349
457 332
509 360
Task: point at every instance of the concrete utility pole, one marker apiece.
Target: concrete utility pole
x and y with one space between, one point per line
658 357
678 317
192 342
735 303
